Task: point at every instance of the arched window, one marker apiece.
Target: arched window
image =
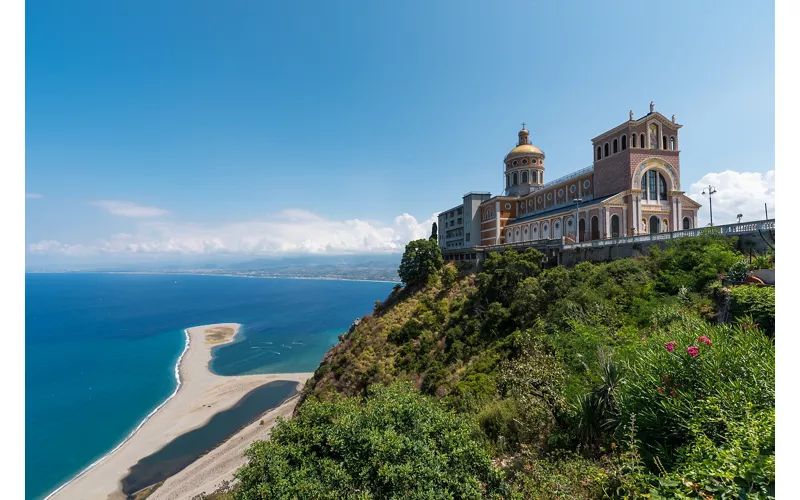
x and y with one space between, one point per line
582 228
644 186
598 152
624 142
654 224
664 226
672 143
664 140
641 140
615 226
662 188
605 149
595 228
516 179
488 214
633 140
687 223
508 180
654 186
615 145
524 177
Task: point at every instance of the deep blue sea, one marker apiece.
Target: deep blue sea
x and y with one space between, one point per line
100 349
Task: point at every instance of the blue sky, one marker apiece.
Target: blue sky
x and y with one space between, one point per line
165 129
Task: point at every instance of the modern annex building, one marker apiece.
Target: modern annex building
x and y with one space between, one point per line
633 187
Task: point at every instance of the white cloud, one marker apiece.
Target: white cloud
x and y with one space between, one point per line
33 196
288 232
737 193
128 209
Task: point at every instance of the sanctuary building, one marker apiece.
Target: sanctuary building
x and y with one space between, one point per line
632 187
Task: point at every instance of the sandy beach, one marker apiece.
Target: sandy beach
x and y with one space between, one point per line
200 396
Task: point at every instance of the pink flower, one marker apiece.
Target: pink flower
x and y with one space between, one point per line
693 351
671 345
704 339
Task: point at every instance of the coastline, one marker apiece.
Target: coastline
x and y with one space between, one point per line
200 394
314 278
136 429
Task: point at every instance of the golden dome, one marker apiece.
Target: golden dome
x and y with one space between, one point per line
523 150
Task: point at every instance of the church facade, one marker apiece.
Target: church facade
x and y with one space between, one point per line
632 187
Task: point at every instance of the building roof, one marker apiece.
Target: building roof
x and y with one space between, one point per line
523 150
564 209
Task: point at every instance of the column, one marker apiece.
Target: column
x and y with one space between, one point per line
497 222
679 203
608 222
624 228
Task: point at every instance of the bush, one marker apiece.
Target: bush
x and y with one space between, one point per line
696 375
693 262
757 302
449 275
421 260
559 476
394 444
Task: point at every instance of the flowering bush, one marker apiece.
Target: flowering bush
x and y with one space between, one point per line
672 391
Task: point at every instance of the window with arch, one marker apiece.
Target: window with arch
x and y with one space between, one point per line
605 149
672 144
599 152
687 223
488 214
615 146
641 140
524 177
664 141
515 178
654 186
624 142
615 226
633 140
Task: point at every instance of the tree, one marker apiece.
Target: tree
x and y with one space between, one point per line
421 259
393 444
434 233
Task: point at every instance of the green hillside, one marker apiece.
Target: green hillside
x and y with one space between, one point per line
608 380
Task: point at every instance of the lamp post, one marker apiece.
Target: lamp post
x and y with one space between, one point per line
739 217
577 225
711 190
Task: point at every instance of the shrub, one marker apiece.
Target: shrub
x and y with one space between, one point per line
696 375
693 262
738 271
757 302
449 275
559 476
421 259
394 444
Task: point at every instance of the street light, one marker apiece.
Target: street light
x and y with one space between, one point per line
711 190
739 216
577 226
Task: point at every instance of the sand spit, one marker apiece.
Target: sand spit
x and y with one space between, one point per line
200 395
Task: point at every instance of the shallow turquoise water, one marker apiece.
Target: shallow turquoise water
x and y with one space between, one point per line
100 349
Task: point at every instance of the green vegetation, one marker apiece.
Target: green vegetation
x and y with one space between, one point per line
609 380
393 444
421 260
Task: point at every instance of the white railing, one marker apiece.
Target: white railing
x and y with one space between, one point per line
726 230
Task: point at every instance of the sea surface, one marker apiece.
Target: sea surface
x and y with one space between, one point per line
100 349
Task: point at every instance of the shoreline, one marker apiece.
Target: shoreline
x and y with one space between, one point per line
200 394
144 421
319 278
